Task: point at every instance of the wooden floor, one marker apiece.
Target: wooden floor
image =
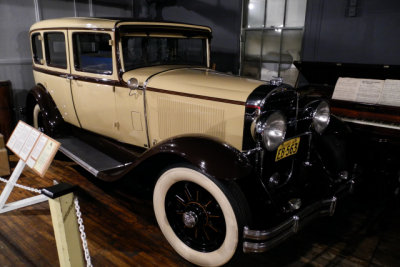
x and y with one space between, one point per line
122 229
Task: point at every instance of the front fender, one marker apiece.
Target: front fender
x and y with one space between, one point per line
338 127
52 118
212 156
335 146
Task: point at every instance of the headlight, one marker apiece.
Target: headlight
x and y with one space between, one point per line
272 130
321 117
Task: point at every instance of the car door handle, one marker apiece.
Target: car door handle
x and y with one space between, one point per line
69 77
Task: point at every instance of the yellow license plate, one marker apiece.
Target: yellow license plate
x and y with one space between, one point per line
287 148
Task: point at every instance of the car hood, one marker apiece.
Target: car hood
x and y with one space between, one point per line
196 81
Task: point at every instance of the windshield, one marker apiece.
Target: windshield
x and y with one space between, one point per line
139 51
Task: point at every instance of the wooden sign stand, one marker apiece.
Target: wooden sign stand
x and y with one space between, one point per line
37 150
10 186
34 149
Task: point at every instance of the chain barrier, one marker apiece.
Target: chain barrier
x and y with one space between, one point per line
83 235
34 190
78 215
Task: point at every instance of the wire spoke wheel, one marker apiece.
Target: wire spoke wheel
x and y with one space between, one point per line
198 216
195 216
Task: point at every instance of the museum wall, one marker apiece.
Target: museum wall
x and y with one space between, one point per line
372 36
331 33
16 17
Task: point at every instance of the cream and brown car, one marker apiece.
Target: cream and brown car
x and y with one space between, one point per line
237 164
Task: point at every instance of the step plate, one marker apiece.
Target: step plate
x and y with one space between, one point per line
90 158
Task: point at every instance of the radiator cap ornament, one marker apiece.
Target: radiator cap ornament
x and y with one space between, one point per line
276 81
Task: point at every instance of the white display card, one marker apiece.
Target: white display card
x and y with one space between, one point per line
33 147
371 91
391 93
346 89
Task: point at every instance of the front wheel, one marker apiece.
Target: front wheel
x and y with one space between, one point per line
198 216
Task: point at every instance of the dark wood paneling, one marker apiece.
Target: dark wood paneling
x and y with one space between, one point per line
6 106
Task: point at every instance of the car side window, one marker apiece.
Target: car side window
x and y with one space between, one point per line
56 55
93 52
37 48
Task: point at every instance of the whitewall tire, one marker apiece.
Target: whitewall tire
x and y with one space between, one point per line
35 116
197 215
37 119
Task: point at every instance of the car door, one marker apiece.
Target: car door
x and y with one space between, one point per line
130 103
53 69
94 75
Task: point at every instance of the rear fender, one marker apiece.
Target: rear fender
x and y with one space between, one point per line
52 118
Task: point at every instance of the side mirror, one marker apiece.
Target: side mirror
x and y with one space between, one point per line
133 84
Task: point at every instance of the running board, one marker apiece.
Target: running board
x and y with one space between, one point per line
91 159
99 156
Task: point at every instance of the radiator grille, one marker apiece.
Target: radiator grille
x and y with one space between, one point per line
180 117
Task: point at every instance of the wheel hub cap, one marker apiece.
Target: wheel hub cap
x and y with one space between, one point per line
195 216
189 219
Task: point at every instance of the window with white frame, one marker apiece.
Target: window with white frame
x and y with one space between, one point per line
272 33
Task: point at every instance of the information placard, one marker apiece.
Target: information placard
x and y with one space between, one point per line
36 149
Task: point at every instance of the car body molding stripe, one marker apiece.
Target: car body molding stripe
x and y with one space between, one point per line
117 83
235 102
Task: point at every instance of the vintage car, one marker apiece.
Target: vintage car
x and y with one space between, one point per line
238 165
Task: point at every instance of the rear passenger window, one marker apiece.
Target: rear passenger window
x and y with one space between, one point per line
37 48
55 49
92 52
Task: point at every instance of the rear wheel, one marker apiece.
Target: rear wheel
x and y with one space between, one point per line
198 215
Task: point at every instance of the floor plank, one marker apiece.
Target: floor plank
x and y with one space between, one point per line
122 230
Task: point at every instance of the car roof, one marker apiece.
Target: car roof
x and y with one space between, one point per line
107 23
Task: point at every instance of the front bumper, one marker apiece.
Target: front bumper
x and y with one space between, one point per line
263 240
